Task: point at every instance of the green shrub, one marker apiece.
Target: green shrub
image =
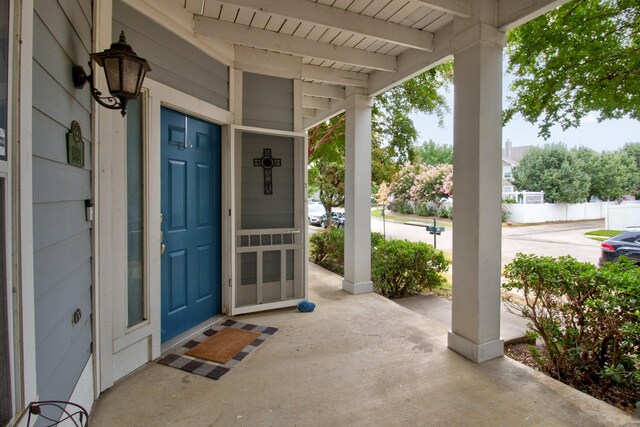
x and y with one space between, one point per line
425 209
376 240
400 267
445 212
401 206
505 212
327 249
588 319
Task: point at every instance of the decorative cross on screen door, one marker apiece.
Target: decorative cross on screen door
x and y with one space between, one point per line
267 163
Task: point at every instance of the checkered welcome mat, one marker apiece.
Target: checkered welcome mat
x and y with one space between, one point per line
178 359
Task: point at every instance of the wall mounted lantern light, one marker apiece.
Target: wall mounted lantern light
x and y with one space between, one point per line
124 71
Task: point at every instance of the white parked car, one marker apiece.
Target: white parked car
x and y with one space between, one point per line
315 213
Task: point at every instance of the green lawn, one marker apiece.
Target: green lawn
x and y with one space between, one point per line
392 216
601 235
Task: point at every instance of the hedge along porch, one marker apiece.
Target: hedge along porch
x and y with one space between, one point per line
235 78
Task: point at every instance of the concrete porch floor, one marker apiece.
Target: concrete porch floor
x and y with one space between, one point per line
356 360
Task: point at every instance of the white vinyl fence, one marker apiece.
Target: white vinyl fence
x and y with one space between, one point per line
546 212
524 197
621 216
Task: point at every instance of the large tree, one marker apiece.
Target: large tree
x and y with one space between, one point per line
581 58
555 170
393 134
326 172
631 151
430 153
392 127
611 174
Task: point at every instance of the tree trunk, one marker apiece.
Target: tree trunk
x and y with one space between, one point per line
329 220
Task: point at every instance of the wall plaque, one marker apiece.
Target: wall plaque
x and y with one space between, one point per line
75 146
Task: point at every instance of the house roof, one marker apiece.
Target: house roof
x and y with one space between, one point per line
509 160
518 152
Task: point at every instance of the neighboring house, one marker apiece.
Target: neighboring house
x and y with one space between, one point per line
507 171
511 157
119 236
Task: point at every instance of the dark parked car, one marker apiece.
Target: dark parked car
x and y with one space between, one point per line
627 244
337 218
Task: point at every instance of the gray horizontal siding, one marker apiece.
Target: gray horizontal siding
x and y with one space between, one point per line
267 101
62 236
65 354
45 130
174 61
73 252
55 182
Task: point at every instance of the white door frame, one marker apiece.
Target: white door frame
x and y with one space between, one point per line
20 197
131 347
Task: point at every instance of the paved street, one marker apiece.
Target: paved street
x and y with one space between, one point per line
546 239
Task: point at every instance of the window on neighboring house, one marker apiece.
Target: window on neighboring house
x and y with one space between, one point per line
507 189
506 172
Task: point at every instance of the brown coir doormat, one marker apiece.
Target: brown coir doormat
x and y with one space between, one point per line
177 357
222 346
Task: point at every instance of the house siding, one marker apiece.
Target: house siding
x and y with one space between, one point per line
174 62
62 236
267 102
261 210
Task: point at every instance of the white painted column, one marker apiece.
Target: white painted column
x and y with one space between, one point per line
357 229
477 165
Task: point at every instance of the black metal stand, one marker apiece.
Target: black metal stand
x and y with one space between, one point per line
58 412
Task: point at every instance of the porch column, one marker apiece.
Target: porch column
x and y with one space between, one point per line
357 228
477 165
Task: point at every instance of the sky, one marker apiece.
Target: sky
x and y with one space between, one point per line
608 135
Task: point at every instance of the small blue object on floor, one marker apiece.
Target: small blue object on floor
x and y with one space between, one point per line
306 307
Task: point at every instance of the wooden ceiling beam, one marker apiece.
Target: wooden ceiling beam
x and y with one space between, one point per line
269 40
341 19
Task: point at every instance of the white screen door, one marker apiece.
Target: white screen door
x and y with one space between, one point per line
270 227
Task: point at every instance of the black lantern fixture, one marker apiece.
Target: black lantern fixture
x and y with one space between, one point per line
124 71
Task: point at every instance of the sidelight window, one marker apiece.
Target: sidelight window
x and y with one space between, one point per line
135 214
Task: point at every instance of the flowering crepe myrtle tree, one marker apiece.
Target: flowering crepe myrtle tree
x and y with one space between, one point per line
423 183
432 184
404 180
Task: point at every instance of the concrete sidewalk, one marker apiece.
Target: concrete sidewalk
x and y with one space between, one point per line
438 310
357 361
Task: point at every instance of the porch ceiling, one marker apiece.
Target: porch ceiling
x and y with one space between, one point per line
337 47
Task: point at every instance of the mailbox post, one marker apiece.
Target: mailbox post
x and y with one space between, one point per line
435 230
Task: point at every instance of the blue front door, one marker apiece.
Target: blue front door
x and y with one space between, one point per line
191 197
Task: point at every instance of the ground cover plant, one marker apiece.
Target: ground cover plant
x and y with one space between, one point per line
398 267
602 235
587 318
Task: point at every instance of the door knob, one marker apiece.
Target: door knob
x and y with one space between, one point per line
163 247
